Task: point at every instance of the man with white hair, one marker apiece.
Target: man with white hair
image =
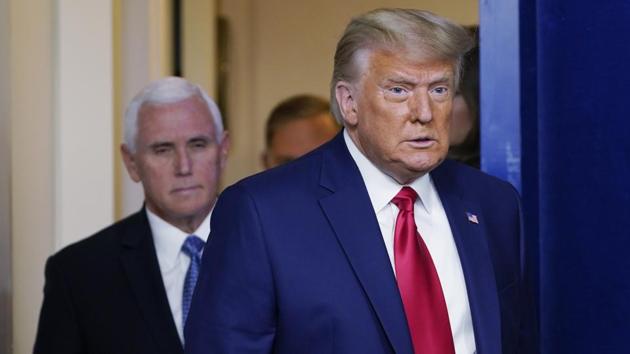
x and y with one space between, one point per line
372 243
127 289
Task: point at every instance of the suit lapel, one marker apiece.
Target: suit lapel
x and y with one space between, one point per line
350 214
475 258
141 266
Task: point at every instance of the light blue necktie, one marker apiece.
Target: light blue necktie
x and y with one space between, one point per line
192 248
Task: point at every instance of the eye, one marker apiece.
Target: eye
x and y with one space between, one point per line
199 144
396 93
397 90
440 90
440 93
160 150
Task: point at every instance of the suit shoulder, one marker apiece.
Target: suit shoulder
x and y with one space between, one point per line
476 184
96 246
288 177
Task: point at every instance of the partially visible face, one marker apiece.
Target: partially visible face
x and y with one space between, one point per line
461 121
295 138
398 112
178 160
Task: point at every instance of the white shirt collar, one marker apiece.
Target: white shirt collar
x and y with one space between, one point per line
168 239
382 188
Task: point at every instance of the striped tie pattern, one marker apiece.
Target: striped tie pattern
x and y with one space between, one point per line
192 248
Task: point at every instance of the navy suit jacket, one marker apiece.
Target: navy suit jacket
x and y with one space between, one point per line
105 294
296 262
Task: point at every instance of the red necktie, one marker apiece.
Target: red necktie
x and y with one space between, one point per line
419 283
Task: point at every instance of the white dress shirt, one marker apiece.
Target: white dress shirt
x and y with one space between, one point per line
173 262
435 230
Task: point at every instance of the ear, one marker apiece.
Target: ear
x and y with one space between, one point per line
224 147
345 94
130 163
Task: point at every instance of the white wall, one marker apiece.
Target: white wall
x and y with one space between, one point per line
61 135
32 163
281 47
5 183
83 119
199 43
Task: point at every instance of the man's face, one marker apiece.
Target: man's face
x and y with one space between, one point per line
295 138
178 160
398 112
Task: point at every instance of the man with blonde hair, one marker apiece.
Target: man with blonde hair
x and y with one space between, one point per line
372 243
127 289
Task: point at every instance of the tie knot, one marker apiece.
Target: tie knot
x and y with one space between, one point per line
193 246
405 198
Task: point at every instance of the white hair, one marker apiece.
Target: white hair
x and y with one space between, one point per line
164 91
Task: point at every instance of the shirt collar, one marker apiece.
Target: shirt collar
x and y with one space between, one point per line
382 188
168 239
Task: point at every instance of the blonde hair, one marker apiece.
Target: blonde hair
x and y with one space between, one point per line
394 29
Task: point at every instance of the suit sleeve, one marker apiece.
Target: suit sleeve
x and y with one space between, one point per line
58 330
233 308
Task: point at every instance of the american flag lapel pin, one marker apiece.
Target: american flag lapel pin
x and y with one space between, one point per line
472 218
